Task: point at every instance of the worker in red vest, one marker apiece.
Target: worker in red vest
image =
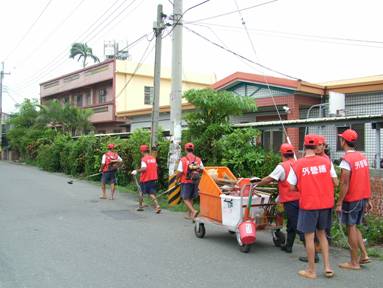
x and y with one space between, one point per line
290 199
148 177
189 171
109 165
354 197
314 177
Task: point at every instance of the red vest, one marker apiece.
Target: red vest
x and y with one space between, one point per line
109 156
186 160
150 174
314 183
359 187
285 194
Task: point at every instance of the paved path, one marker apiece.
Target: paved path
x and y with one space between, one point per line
58 235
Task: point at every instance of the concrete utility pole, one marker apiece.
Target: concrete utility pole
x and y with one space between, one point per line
158 27
2 73
176 89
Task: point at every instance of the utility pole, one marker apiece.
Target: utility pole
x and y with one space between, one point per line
158 27
2 73
176 89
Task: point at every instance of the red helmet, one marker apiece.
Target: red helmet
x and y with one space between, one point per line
111 146
189 146
349 135
144 148
321 139
286 148
311 139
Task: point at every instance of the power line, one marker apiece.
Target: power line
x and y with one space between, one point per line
56 63
49 36
138 66
231 12
239 55
29 29
182 15
299 36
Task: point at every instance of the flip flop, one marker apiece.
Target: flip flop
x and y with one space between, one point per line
365 261
140 208
187 217
103 197
348 266
195 214
329 274
158 210
306 274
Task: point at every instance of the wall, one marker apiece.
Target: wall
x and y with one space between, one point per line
131 98
377 192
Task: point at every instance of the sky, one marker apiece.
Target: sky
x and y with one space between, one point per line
315 41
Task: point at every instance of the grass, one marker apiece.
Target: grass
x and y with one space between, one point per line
376 252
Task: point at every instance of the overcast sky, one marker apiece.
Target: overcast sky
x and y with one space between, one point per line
301 38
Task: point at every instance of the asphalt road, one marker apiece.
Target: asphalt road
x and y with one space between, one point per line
58 235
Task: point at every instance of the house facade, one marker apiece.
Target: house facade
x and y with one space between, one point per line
119 94
284 99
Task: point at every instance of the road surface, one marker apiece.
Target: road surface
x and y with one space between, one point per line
58 235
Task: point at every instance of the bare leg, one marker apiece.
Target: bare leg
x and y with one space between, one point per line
353 241
322 237
154 198
112 190
103 191
189 205
362 247
310 250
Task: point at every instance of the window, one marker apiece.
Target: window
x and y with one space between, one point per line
117 131
148 95
78 100
272 140
66 100
101 95
88 98
359 128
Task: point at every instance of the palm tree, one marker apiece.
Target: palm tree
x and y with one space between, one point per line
82 50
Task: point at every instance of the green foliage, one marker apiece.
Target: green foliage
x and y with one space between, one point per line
82 50
373 230
241 154
210 121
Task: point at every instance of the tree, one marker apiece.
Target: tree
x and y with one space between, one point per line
82 50
211 119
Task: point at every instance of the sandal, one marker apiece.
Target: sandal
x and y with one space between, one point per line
140 208
194 215
103 197
158 210
348 266
365 261
307 274
329 274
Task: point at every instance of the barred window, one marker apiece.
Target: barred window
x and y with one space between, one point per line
148 95
101 95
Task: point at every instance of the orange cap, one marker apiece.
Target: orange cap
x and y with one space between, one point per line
189 146
349 135
144 148
286 148
311 139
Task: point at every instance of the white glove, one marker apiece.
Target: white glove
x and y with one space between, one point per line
134 172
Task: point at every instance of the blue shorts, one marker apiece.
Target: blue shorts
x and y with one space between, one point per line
311 220
108 177
189 191
149 187
352 212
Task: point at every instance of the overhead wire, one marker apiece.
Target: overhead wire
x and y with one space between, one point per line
231 12
138 66
57 63
302 37
182 15
49 36
29 29
264 76
239 55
